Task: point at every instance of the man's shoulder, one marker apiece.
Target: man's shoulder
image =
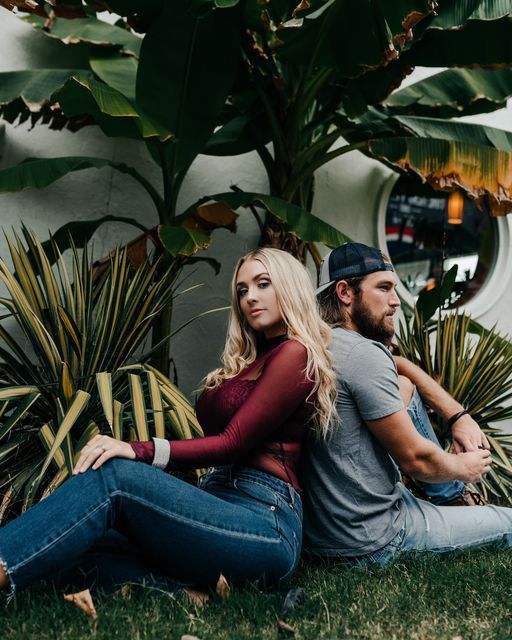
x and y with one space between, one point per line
350 343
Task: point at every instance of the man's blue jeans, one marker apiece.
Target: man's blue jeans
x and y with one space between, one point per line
429 528
437 492
437 529
242 522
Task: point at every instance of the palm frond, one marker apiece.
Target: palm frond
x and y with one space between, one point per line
76 377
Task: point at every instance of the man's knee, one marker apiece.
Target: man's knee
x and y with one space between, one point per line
406 389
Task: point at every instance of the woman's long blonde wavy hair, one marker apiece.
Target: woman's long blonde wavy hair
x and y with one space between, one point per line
297 304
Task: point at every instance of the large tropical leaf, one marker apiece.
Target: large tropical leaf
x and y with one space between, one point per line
33 86
88 30
294 219
441 40
332 34
113 111
239 135
454 92
79 232
480 171
449 38
27 94
182 241
446 153
118 72
41 172
184 85
456 131
456 15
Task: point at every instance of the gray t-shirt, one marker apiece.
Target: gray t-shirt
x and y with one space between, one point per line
351 493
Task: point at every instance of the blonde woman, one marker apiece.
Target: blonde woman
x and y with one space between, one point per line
245 518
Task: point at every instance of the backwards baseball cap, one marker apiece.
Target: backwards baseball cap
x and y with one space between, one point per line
351 260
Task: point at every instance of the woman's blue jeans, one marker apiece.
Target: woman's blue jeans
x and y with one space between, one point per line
241 522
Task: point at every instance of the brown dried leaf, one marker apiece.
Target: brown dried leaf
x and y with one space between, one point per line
199 598
302 6
212 216
222 589
284 627
482 173
136 251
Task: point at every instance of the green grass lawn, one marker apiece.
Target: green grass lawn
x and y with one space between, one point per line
468 597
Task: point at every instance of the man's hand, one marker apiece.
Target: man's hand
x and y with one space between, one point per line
99 450
467 435
474 465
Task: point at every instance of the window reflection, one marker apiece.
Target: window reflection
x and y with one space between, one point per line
426 235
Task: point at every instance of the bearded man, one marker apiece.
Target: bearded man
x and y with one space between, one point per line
356 508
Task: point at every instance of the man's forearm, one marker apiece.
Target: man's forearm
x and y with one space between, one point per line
421 458
434 465
431 392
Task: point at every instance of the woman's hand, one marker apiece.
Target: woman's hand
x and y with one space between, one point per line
99 450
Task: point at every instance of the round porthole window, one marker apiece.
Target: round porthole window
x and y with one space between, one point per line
427 232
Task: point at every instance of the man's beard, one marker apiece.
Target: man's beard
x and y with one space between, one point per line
369 326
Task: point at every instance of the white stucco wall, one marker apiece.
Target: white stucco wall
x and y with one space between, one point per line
349 195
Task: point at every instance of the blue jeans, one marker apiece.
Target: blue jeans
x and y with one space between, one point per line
438 492
241 522
434 529
437 529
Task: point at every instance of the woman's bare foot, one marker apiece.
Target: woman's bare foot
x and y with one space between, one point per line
83 600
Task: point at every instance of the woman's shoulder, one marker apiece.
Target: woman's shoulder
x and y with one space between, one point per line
289 348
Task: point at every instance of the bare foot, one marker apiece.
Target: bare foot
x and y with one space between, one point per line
83 600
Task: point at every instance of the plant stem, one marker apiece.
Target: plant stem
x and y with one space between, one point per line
311 168
150 189
161 328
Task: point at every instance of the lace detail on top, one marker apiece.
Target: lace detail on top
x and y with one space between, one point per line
257 418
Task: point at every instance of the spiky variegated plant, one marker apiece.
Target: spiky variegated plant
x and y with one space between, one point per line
73 372
475 365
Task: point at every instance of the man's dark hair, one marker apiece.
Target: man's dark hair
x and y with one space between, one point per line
332 309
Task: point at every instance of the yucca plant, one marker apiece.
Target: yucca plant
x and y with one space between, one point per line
475 365
76 372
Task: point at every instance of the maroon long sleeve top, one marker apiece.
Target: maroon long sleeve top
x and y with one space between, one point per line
258 418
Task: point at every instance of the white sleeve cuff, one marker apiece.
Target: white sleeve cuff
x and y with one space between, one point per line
162 453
